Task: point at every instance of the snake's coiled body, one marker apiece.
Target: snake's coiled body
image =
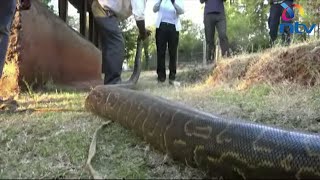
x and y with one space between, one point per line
230 148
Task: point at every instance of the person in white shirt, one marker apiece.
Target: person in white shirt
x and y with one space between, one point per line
167 34
107 14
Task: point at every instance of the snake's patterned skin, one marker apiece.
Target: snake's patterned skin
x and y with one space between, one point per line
227 148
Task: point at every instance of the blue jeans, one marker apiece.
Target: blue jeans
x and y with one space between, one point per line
274 21
7 10
112 42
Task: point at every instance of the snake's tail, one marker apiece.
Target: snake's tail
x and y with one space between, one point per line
136 69
127 84
137 63
92 152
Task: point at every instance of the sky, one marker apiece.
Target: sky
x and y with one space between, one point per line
193 11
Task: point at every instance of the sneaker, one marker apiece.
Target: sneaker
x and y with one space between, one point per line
174 83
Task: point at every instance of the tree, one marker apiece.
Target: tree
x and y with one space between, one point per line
74 22
247 25
312 9
47 2
190 42
130 34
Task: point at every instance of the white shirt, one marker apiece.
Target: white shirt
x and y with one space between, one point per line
125 8
168 12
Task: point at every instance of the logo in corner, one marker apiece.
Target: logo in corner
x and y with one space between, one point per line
288 15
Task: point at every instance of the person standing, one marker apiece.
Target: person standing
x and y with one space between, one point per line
107 14
276 11
7 11
168 26
215 17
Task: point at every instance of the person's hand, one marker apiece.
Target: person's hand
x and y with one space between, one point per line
143 32
144 35
25 5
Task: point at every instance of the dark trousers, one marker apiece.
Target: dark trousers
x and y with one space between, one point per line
112 44
7 10
274 21
167 36
211 22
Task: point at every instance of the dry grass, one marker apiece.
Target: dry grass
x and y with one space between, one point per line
232 70
299 64
9 81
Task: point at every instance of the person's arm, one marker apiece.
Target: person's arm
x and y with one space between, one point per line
25 4
143 33
156 7
138 8
179 6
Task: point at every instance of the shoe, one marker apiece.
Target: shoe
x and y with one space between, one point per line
161 80
9 105
174 83
119 81
210 61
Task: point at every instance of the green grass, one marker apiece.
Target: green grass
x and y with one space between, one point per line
55 144
49 144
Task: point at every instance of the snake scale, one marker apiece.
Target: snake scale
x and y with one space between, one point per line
231 148
227 148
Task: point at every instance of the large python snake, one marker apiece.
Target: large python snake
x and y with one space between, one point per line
222 147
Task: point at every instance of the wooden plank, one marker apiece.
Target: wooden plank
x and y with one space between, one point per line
91 26
63 9
93 31
97 39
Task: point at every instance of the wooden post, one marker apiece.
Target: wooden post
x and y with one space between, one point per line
93 31
98 40
83 17
63 9
318 31
204 60
91 27
178 56
217 50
